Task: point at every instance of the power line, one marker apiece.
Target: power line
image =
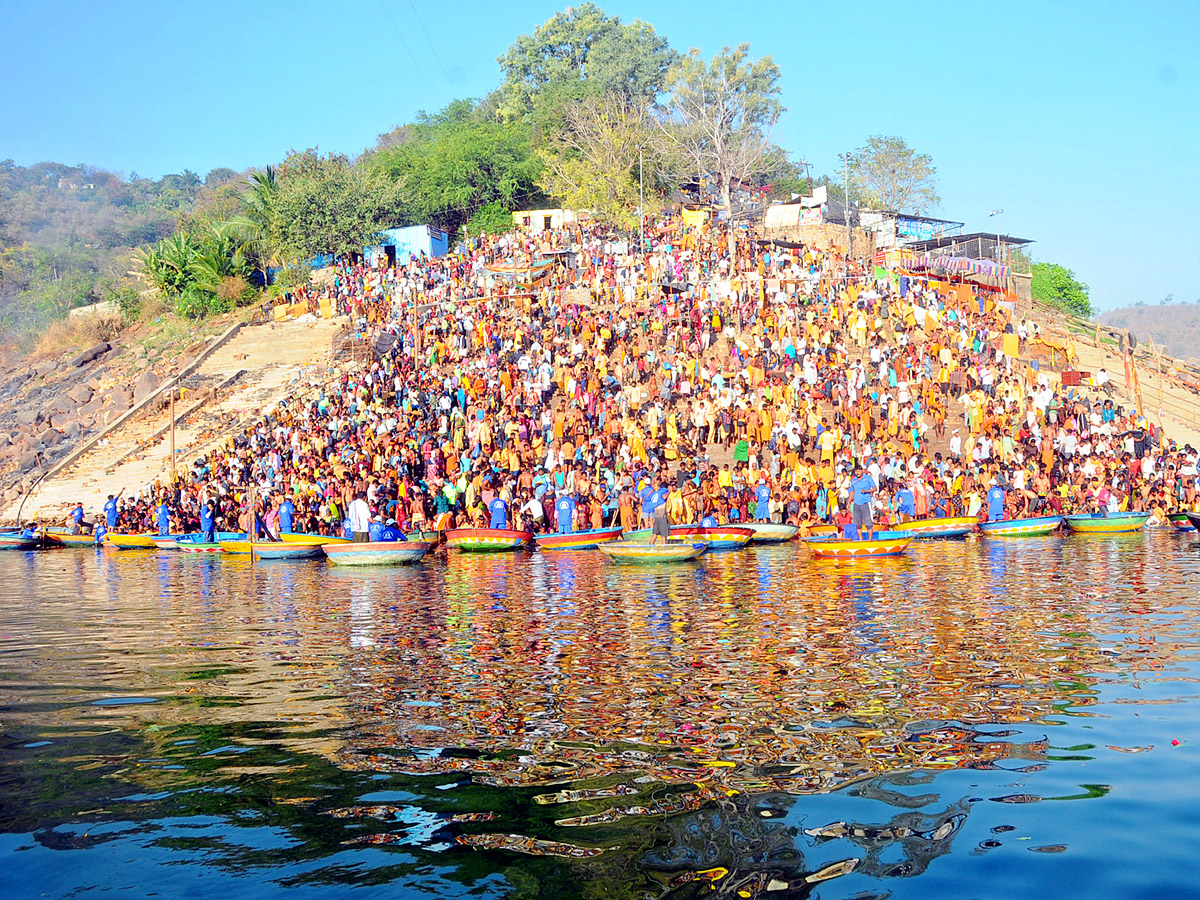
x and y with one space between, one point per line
407 49
431 47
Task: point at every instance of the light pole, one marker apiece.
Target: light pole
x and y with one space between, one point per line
997 213
845 158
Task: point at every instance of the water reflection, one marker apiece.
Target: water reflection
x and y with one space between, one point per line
660 727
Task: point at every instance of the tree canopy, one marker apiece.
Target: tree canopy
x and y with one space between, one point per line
450 165
1058 286
721 114
581 44
894 177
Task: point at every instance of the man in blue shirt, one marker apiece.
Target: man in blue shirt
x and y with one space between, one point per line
564 514
499 510
995 501
110 510
390 533
163 518
762 501
207 524
862 487
287 513
906 504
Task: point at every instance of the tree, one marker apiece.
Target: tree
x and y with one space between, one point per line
584 44
594 162
325 204
1058 286
453 164
721 115
894 177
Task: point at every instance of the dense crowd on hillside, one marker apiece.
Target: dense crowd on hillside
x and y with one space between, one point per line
726 383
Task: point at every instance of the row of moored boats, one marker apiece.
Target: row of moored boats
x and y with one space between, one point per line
686 541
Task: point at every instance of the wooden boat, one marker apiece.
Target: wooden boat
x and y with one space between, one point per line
377 553
197 547
281 550
882 544
1030 527
318 539
434 537
1180 522
645 552
13 540
718 537
166 543
144 541
818 530
1194 518
487 540
578 540
947 527
1117 523
770 533
60 536
236 547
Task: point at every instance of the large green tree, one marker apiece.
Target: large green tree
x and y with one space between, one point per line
584 44
326 204
892 176
447 167
1058 286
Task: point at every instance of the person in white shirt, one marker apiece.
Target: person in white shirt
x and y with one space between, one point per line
360 518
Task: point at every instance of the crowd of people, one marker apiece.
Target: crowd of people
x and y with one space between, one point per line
572 379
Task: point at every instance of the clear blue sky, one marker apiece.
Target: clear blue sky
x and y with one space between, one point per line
1078 119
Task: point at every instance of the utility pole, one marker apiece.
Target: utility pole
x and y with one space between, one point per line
173 472
846 208
997 213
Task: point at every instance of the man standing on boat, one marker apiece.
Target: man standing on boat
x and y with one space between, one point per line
498 511
360 518
862 489
995 502
163 517
564 513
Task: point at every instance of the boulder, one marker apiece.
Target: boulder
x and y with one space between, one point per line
44 368
91 408
62 406
50 437
81 393
91 353
72 430
28 417
120 398
146 385
27 460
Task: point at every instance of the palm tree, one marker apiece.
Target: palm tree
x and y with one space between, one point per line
256 226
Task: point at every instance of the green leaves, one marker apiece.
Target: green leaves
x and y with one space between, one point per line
453 164
1058 286
894 177
584 43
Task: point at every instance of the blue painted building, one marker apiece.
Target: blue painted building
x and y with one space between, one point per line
397 245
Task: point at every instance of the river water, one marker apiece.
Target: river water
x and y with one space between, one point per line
976 719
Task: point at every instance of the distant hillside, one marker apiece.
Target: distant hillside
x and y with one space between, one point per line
1175 326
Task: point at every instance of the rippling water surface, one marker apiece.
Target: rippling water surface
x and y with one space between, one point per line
977 719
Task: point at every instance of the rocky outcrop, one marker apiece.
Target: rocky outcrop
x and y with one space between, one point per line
89 354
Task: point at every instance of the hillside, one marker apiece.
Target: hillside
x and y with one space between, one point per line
1175 327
